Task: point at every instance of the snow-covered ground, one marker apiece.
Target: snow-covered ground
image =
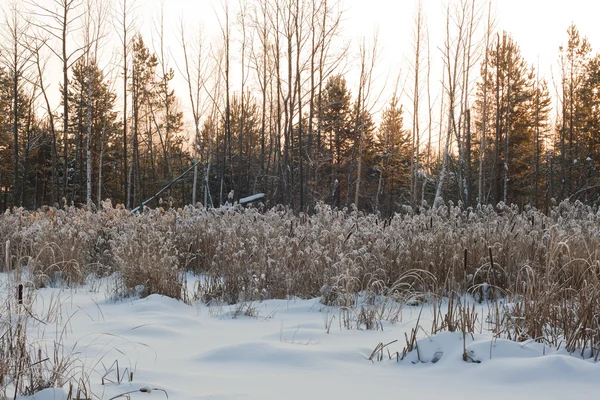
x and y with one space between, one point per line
285 352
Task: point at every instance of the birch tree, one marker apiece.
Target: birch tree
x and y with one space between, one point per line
456 21
195 72
368 59
93 32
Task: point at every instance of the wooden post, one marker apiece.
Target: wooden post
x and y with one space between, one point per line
20 293
7 257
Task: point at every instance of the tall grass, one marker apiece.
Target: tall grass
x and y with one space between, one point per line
541 270
29 362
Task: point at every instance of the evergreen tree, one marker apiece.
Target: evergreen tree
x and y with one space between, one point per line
142 77
519 109
245 130
171 120
589 149
337 128
13 147
104 130
364 147
574 111
6 172
393 158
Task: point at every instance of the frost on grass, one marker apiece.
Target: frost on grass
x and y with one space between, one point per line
540 271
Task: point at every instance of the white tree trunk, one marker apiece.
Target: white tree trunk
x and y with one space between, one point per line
438 192
100 170
195 184
88 151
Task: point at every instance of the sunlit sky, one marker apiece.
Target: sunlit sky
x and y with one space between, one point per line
538 26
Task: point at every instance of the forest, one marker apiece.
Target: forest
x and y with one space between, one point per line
439 219
270 107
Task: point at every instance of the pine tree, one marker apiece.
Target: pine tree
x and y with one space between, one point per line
142 78
6 153
336 127
12 143
589 126
573 60
394 157
103 133
171 120
518 111
245 129
364 149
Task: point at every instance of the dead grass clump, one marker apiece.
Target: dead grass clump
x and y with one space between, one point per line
539 271
557 305
146 258
53 246
29 364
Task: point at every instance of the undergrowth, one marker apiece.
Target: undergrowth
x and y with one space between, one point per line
540 271
29 360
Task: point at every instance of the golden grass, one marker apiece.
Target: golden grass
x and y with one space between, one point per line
541 272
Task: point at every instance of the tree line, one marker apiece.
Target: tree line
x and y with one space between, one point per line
275 110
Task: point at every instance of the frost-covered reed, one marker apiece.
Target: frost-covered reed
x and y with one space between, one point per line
541 270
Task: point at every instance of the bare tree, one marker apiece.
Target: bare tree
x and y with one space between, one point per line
39 61
225 76
368 60
497 127
468 64
195 76
15 55
245 39
299 16
262 63
125 24
416 97
59 21
286 11
482 146
459 56
507 124
326 57
452 64
430 102
93 32
166 130
276 90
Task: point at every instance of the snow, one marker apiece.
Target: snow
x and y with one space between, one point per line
253 198
285 352
50 394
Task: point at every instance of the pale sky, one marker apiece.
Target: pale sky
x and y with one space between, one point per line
538 26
